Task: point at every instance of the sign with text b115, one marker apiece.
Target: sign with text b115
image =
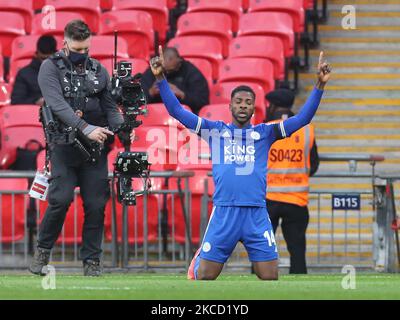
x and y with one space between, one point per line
346 202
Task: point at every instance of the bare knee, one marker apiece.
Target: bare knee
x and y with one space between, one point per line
267 270
268 276
206 274
209 270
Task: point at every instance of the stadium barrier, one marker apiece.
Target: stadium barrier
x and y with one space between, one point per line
141 237
343 221
360 229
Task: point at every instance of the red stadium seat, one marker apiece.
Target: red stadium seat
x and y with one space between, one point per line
5 94
24 47
100 47
138 65
171 4
19 115
293 7
12 26
21 7
189 154
260 71
135 213
106 4
12 208
18 125
161 143
135 220
157 8
214 24
157 115
308 4
221 93
136 27
196 185
231 7
38 4
15 67
1 68
72 230
61 20
205 68
269 24
216 112
41 159
204 47
90 9
265 47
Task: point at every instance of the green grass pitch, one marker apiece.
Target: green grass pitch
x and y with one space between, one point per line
176 287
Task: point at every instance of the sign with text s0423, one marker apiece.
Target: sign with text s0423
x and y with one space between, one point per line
346 202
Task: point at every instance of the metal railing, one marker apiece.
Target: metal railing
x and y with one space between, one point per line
134 238
156 233
334 236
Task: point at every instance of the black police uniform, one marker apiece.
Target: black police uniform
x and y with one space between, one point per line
66 89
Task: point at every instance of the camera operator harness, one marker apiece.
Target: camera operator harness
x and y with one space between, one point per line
80 90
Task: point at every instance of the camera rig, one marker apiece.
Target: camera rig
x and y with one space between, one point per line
128 93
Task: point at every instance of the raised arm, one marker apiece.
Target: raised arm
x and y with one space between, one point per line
309 109
175 109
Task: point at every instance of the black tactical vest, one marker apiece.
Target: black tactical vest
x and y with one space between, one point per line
82 90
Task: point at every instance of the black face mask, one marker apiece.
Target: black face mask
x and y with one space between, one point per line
77 58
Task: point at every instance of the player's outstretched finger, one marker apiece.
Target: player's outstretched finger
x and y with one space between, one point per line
321 58
161 53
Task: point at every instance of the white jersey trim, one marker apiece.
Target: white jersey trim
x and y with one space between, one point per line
197 130
282 129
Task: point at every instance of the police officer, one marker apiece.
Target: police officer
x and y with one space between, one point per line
77 89
290 163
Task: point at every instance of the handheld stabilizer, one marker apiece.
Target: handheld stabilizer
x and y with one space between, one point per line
130 165
128 93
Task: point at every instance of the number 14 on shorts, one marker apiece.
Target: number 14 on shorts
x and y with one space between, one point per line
269 235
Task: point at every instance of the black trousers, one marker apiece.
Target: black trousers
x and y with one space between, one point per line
294 225
69 170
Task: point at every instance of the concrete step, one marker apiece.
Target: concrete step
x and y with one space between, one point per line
379 35
347 45
333 116
362 21
349 129
325 30
358 57
351 103
364 93
377 10
358 2
349 82
359 143
358 113
331 166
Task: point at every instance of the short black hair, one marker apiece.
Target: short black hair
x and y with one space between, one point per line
77 30
243 88
46 44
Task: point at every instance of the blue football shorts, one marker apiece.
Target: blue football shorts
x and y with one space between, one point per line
228 225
